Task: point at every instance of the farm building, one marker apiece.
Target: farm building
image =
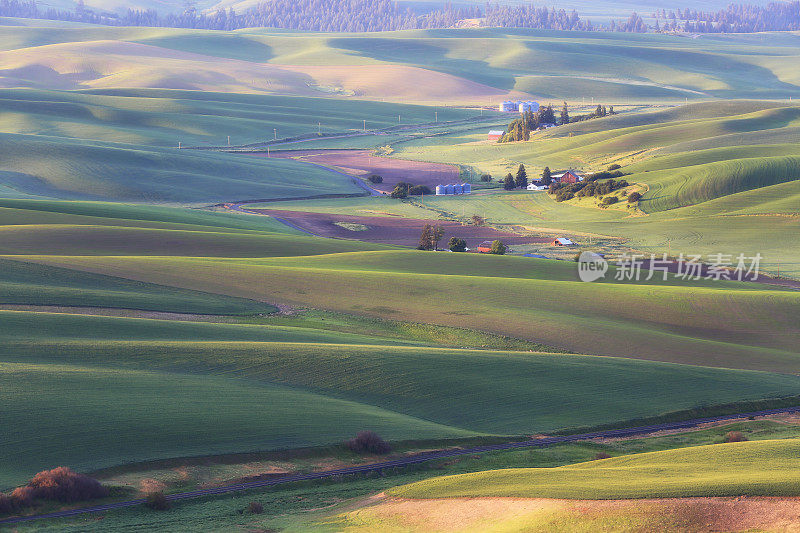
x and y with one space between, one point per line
561 241
537 186
495 135
485 247
453 188
509 107
524 107
570 176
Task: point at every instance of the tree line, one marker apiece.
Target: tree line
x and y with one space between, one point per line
736 18
388 15
520 128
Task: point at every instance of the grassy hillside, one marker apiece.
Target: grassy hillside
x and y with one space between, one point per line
710 324
427 66
157 415
762 468
357 382
716 178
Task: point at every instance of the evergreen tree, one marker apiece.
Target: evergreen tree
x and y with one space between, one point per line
521 180
508 182
565 115
547 178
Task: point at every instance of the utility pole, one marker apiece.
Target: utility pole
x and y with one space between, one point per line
437 116
179 145
268 152
319 128
229 140
365 126
398 119
276 133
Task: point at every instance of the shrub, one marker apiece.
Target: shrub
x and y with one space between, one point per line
369 442
498 248
23 496
157 501
486 177
608 200
6 504
478 220
457 245
399 192
614 167
602 455
416 190
255 508
634 197
375 178
735 436
64 485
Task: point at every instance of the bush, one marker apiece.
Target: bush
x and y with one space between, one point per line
457 245
609 200
477 220
416 190
157 501
602 455
486 177
6 504
614 167
375 178
634 197
255 508
399 192
23 496
498 248
369 442
735 436
64 485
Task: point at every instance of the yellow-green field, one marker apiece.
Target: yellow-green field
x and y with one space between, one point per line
762 468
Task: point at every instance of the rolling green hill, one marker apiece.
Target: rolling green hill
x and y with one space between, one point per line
761 468
710 324
357 382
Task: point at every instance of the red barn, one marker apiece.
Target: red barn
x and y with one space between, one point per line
485 247
570 176
495 135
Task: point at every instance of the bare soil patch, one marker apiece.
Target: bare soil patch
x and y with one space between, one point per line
392 230
673 514
362 163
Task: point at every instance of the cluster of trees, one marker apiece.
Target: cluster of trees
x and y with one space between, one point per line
736 18
599 112
530 16
388 15
431 235
520 181
59 484
634 24
313 15
590 187
520 128
404 190
597 188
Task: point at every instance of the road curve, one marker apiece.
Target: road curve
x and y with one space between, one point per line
406 461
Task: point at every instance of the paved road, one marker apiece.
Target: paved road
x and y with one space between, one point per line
406 461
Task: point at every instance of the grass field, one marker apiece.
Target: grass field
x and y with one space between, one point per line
710 324
187 365
763 468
